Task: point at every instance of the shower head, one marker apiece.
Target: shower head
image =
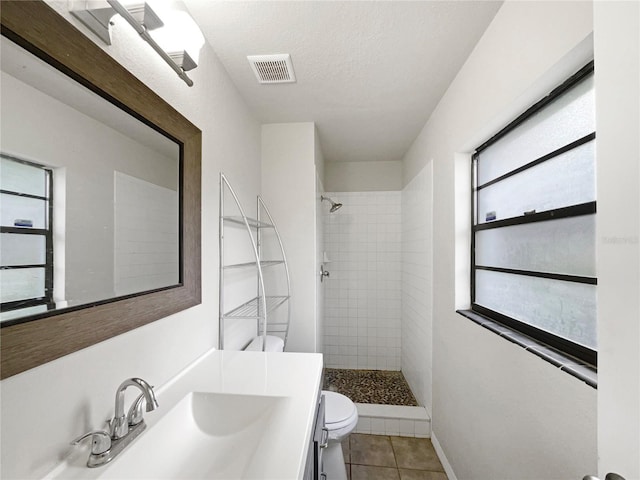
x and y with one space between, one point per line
334 206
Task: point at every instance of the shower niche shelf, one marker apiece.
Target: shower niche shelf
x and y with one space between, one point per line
261 232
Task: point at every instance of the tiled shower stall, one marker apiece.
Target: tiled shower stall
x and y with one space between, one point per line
377 299
362 304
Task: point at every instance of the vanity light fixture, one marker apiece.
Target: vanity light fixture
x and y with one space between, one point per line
176 37
181 38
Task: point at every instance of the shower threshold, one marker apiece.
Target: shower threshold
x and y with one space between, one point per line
385 403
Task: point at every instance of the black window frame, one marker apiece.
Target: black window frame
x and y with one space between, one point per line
564 345
47 232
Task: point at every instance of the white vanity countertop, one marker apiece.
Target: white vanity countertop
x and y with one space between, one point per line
296 376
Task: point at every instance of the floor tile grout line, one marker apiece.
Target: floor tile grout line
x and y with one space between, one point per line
395 459
421 470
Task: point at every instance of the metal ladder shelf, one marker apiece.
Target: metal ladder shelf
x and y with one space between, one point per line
262 305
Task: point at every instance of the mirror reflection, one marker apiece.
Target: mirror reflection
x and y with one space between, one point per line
89 195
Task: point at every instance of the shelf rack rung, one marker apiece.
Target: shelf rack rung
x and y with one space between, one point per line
250 308
263 263
253 223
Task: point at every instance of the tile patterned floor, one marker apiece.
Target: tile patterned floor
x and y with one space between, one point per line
370 386
378 457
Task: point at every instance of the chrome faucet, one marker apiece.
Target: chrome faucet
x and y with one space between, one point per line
105 446
120 424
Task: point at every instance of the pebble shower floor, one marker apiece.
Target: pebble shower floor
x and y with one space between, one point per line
370 386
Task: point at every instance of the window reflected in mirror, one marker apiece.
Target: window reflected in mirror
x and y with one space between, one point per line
26 238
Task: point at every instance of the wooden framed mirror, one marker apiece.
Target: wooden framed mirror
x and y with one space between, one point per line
38 29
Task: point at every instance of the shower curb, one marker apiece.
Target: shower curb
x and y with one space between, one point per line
397 420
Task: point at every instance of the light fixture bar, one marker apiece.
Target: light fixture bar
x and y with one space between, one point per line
143 32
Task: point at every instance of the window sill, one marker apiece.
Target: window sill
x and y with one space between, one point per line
570 365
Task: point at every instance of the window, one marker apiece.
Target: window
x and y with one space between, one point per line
26 241
533 233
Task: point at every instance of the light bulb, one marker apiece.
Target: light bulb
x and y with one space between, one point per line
180 33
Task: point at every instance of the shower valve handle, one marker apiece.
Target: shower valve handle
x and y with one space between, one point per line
323 273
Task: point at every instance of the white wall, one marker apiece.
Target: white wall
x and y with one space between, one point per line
417 285
44 408
498 411
288 189
320 170
363 176
617 60
363 293
320 285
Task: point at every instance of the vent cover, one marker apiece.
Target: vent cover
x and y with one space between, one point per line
272 68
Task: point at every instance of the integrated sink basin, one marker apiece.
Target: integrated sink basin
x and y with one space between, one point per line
206 435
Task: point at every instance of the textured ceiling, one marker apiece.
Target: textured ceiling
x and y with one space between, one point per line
369 74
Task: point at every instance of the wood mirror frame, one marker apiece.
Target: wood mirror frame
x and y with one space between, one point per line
42 31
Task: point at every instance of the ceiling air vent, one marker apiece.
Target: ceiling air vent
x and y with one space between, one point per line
272 68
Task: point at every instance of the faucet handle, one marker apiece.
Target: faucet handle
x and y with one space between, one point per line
100 441
135 415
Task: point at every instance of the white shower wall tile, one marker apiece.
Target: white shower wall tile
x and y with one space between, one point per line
363 295
417 286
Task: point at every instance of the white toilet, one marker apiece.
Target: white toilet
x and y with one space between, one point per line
273 344
340 417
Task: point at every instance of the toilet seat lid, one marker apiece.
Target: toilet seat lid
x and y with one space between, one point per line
274 344
338 408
